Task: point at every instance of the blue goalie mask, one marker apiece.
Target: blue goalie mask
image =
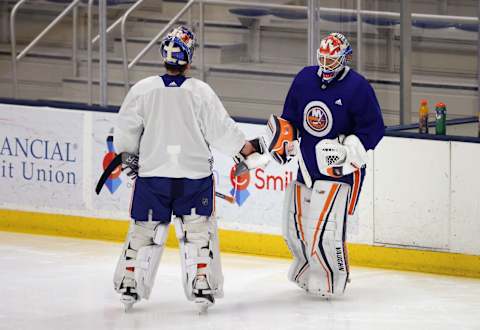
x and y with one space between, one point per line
178 46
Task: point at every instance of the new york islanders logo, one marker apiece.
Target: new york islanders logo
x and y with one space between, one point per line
113 181
317 119
240 184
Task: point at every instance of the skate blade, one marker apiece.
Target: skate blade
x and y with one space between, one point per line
202 305
128 302
127 307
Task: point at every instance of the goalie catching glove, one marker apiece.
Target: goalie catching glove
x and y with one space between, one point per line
259 158
340 156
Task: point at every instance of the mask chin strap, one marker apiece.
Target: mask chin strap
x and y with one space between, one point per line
327 80
320 73
337 77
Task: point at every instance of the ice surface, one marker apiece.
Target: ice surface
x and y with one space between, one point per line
60 283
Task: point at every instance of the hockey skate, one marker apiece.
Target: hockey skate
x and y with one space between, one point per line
128 297
203 294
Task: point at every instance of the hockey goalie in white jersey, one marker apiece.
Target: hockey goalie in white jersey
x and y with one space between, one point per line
330 119
165 128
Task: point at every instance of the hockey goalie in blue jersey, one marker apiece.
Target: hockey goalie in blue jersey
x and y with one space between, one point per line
330 119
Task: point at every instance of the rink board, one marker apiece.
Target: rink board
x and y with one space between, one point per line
418 194
245 242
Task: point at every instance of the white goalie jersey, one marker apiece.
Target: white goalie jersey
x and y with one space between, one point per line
172 125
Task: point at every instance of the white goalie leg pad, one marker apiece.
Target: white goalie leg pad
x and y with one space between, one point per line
200 256
138 263
325 222
293 230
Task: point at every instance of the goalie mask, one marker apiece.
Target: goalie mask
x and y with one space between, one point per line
178 46
333 55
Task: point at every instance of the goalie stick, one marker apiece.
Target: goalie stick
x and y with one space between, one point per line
117 161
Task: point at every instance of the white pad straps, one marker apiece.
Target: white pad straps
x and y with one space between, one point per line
138 263
148 260
200 255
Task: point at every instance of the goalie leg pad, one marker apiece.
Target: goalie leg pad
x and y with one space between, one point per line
137 267
293 230
326 234
200 256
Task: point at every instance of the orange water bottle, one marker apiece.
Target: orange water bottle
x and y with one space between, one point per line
423 117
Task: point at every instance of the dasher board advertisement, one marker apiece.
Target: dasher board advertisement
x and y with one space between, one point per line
41 158
114 198
258 195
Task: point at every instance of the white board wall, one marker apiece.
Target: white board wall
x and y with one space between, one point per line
465 198
417 193
412 192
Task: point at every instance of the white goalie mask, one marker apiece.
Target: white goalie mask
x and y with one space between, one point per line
333 55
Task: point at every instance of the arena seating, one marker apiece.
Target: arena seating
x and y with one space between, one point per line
251 55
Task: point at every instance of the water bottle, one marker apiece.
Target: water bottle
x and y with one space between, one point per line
440 118
423 117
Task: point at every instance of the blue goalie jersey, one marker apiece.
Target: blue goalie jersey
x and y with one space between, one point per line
347 105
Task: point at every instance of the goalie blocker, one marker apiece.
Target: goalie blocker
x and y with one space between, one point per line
282 137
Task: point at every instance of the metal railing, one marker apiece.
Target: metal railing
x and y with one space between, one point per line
127 66
13 39
123 32
91 42
358 12
89 52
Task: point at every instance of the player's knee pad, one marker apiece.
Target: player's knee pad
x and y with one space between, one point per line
138 263
200 254
293 230
325 226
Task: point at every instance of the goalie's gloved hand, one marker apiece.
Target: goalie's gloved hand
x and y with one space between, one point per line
256 145
259 145
253 155
130 162
340 156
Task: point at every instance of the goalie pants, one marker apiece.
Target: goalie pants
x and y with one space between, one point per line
160 197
